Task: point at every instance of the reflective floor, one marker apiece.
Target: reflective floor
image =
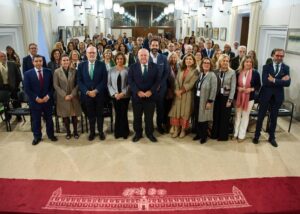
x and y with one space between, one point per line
168 160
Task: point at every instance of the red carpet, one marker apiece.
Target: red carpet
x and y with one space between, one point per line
265 195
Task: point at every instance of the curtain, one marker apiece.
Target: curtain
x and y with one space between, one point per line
30 22
255 9
47 23
233 25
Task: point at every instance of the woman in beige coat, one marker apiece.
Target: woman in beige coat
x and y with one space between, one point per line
182 106
67 103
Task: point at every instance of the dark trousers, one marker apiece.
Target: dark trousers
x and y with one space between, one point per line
94 108
121 121
46 111
168 106
273 106
195 114
201 128
160 108
221 116
147 107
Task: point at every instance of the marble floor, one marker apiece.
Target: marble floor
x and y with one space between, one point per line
168 160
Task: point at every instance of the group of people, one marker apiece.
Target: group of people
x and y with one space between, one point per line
182 81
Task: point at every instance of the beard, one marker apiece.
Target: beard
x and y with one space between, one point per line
154 50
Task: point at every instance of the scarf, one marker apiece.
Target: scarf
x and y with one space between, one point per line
243 97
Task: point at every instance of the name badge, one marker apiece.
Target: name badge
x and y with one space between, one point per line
222 91
198 93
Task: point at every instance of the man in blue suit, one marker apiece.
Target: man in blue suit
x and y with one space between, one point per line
38 86
208 51
27 60
92 82
143 79
275 77
164 70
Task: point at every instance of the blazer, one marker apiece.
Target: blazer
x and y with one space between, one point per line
164 71
230 54
53 66
112 82
229 83
64 86
14 76
99 82
270 89
27 63
32 87
208 92
235 62
137 82
254 82
205 54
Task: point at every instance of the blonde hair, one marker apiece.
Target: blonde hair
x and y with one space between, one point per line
221 58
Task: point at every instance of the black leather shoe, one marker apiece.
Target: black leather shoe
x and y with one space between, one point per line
136 138
197 137
53 138
152 138
76 135
36 141
160 129
91 137
102 136
203 140
273 142
255 141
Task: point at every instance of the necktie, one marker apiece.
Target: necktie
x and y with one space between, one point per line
208 53
277 69
91 71
41 79
145 71
119 83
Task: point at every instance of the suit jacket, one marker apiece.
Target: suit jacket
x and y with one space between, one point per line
270 89
230 54
14 76
27 63
112 82
205 53
64 86
137 82
33 90
164 71
235 62
99 81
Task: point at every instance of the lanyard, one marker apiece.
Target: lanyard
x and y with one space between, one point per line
222 77
203 76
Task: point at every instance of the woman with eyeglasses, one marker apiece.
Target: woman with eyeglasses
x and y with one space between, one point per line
205 93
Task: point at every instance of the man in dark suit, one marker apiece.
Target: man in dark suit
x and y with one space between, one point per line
27 60
147 40
38 86
208 51
10 78
227 51
275 77
235 62
144 80
125 39
92 82
164 70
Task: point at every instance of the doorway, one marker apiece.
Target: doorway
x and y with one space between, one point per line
244 30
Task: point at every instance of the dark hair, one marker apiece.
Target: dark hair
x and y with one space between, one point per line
119 53
153 40
183 66
126 49
64 55
37 56
52 54
278 49
32 44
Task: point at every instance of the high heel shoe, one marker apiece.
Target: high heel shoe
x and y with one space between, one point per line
182 134
176 132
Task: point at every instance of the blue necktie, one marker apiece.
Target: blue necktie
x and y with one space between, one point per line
145 71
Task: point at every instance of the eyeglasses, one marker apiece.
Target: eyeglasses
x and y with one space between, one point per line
208 63
279 55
